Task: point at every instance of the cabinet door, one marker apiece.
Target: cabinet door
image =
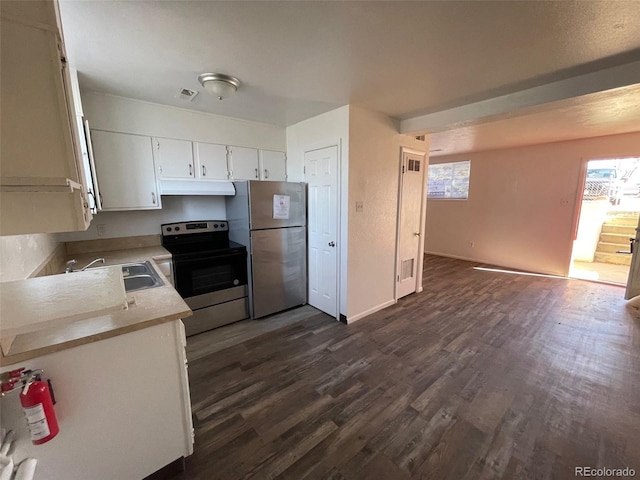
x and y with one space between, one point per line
244 163
175 158
126 171
211 161
38 152
273 166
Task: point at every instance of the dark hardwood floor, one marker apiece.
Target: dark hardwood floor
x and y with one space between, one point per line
482 375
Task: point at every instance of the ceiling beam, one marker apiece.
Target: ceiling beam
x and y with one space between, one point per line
507 105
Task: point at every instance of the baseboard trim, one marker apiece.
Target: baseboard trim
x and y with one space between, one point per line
457 257
371 310
494 264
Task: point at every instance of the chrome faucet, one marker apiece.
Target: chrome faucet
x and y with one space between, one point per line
71 263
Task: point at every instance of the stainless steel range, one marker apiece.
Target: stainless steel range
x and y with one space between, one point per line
210 272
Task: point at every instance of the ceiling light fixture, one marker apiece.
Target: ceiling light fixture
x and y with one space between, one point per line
221 85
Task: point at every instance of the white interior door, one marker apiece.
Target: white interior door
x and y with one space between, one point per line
409 223
633 282
321 171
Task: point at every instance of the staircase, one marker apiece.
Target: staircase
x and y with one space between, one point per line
616 231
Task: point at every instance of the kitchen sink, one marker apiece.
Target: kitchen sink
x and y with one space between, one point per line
138 282
139 276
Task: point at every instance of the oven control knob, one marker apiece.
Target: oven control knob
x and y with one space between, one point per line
177 228
215 225
236 282
168 229
222 225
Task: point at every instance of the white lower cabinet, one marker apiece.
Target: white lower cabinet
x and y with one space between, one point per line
126 171
123 407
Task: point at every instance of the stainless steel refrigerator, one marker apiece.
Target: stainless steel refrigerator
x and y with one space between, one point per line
270 219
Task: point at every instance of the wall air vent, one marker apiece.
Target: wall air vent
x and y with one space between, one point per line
186 94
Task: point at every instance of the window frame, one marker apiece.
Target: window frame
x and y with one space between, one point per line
451 179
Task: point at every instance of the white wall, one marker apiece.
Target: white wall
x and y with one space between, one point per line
331 128
522 206
374 175
118 114
370 161
21 255
147 222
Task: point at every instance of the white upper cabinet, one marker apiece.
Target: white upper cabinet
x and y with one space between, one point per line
126 171
273 165
175 158
251 164
43 187
211 161
245 164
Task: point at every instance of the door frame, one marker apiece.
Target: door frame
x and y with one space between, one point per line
577 210
319 146
423 219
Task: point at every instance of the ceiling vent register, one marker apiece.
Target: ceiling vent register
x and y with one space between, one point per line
186 94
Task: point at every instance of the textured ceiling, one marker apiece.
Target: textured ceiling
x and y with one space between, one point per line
299 59
605 113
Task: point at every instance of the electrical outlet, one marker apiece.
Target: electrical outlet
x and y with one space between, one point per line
359 206
102 229
471 244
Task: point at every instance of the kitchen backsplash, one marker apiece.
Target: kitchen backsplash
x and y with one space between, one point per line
147 222
25 255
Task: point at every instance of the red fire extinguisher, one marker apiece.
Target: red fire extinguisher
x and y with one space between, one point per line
37 403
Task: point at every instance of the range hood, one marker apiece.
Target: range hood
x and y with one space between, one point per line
191 187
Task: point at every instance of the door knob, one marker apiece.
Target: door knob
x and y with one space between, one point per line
417 234
332 244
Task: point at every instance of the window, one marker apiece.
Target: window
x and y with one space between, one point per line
449 180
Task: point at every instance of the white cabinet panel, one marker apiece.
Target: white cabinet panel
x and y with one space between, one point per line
43 186
273 166
211 161
126 172
175 158
244 163
142 420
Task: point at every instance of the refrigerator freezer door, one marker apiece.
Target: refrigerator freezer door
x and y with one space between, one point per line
262 209
279 269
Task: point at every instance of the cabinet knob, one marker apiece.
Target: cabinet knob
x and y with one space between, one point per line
257 173
204 171
190 170
266 173
153 197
